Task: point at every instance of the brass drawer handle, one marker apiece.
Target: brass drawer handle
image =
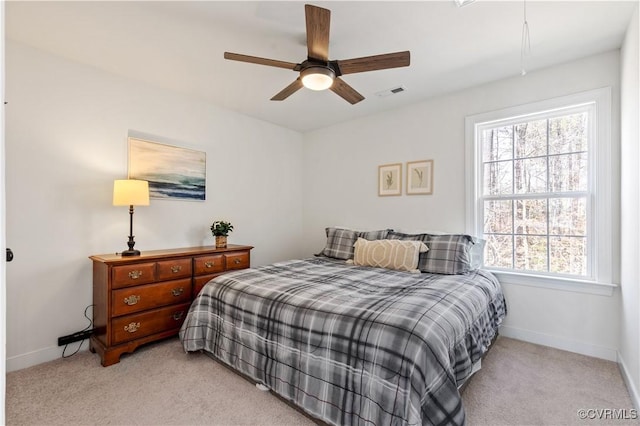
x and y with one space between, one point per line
176 268
237 261
132 300
178 315
177 291
132 327
208 264
134 275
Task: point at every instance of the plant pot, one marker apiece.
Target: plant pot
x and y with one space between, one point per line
221 241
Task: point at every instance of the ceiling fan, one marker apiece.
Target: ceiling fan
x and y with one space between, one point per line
318 72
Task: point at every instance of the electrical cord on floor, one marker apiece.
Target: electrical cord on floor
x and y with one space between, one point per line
89 327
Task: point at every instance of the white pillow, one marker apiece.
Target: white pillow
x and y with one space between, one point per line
400 255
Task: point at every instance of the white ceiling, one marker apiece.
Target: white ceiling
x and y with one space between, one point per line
179 46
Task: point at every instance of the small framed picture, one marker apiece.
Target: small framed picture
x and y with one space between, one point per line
420 177
390 179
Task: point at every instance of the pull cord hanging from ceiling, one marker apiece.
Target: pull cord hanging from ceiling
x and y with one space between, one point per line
525 49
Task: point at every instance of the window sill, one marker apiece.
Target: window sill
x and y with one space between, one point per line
553 283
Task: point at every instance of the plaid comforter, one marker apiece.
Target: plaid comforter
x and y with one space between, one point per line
351 345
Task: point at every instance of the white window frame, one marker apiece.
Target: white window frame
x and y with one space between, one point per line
600 189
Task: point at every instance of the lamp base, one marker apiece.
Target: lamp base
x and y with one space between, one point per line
131 242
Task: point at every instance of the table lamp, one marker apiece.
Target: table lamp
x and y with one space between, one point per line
130 192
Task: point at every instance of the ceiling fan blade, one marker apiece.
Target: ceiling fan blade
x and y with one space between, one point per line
345 91
318 22
376 62
259 61
288 91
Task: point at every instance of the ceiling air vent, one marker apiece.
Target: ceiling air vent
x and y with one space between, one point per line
389 92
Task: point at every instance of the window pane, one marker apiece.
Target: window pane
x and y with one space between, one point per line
530 175
536 204
568 172
497 144
568 216
531 139
531 253
498 217
498 251
531 217
568 255
498 178
568 134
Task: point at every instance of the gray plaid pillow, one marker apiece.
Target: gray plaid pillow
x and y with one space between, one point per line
374 235
448 254
393 235
340 243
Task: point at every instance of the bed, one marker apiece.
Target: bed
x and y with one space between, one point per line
351 344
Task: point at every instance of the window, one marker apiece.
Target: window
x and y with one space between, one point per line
538 187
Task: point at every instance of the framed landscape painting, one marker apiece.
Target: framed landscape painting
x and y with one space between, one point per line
420 177
390 179
172 172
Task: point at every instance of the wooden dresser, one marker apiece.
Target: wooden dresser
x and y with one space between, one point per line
144 298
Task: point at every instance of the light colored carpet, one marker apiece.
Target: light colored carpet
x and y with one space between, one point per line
159 384
525 384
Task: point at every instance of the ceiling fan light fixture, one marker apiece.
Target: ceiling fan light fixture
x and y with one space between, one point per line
317 77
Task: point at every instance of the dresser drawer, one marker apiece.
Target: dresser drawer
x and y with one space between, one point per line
201 281
138 273
174 269
204 265
135 326
238 260
135 299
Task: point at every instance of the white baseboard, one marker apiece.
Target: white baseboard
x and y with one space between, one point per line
30 359
631 387
560 342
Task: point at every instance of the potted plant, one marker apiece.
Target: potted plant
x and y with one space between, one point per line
220 229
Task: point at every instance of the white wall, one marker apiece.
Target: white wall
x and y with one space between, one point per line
629 352
66 141
340 179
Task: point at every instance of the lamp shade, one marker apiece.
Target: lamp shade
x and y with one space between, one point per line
130 192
